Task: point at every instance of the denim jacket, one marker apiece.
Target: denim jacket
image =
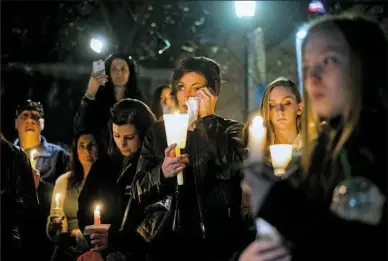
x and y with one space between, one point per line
51 162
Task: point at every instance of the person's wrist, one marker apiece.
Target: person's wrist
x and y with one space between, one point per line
91 95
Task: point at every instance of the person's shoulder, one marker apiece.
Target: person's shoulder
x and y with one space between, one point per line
63 179
157 127
8 148
55 149
228 122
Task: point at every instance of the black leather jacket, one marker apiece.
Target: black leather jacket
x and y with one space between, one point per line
18 203
213 198
107 184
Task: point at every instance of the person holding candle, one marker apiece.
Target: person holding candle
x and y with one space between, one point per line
62 222
211 225
345 88
281 108
49 160
109 185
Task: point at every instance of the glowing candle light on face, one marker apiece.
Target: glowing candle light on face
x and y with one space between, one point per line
97 215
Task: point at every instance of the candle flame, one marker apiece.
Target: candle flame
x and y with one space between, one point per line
177 112
257 121
98 208
33 153
57 196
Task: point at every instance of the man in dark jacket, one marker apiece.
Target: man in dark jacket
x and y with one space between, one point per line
211 225
18 204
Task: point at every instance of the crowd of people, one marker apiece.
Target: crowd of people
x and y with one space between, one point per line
115 195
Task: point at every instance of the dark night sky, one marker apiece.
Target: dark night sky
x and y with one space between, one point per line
54 32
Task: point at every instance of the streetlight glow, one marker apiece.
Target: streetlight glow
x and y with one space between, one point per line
245 8
96 45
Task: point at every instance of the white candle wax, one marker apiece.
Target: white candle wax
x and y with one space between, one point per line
256 139
57 197
281 155
176 126
33 154
97 216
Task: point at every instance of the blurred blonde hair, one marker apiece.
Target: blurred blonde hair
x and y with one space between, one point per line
353 85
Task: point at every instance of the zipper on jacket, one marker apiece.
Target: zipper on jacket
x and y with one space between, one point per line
123 172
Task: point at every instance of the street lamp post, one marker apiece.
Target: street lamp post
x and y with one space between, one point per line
244 10
300 35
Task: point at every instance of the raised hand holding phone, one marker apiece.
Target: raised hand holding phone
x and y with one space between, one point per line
97 79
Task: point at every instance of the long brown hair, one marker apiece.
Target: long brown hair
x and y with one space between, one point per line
366 81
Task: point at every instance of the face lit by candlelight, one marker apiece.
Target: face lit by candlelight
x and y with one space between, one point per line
283 108
126 139
87 149
29 123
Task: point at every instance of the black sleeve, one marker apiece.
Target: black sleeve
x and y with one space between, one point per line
314 229
152 183
225 140
91 116
27 213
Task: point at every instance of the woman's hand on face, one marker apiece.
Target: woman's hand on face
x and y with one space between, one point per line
173 165
95 81
265 251
207 102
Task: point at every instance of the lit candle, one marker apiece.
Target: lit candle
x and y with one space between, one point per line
33 154
176 132
57 196
97 215
281 155
256 140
